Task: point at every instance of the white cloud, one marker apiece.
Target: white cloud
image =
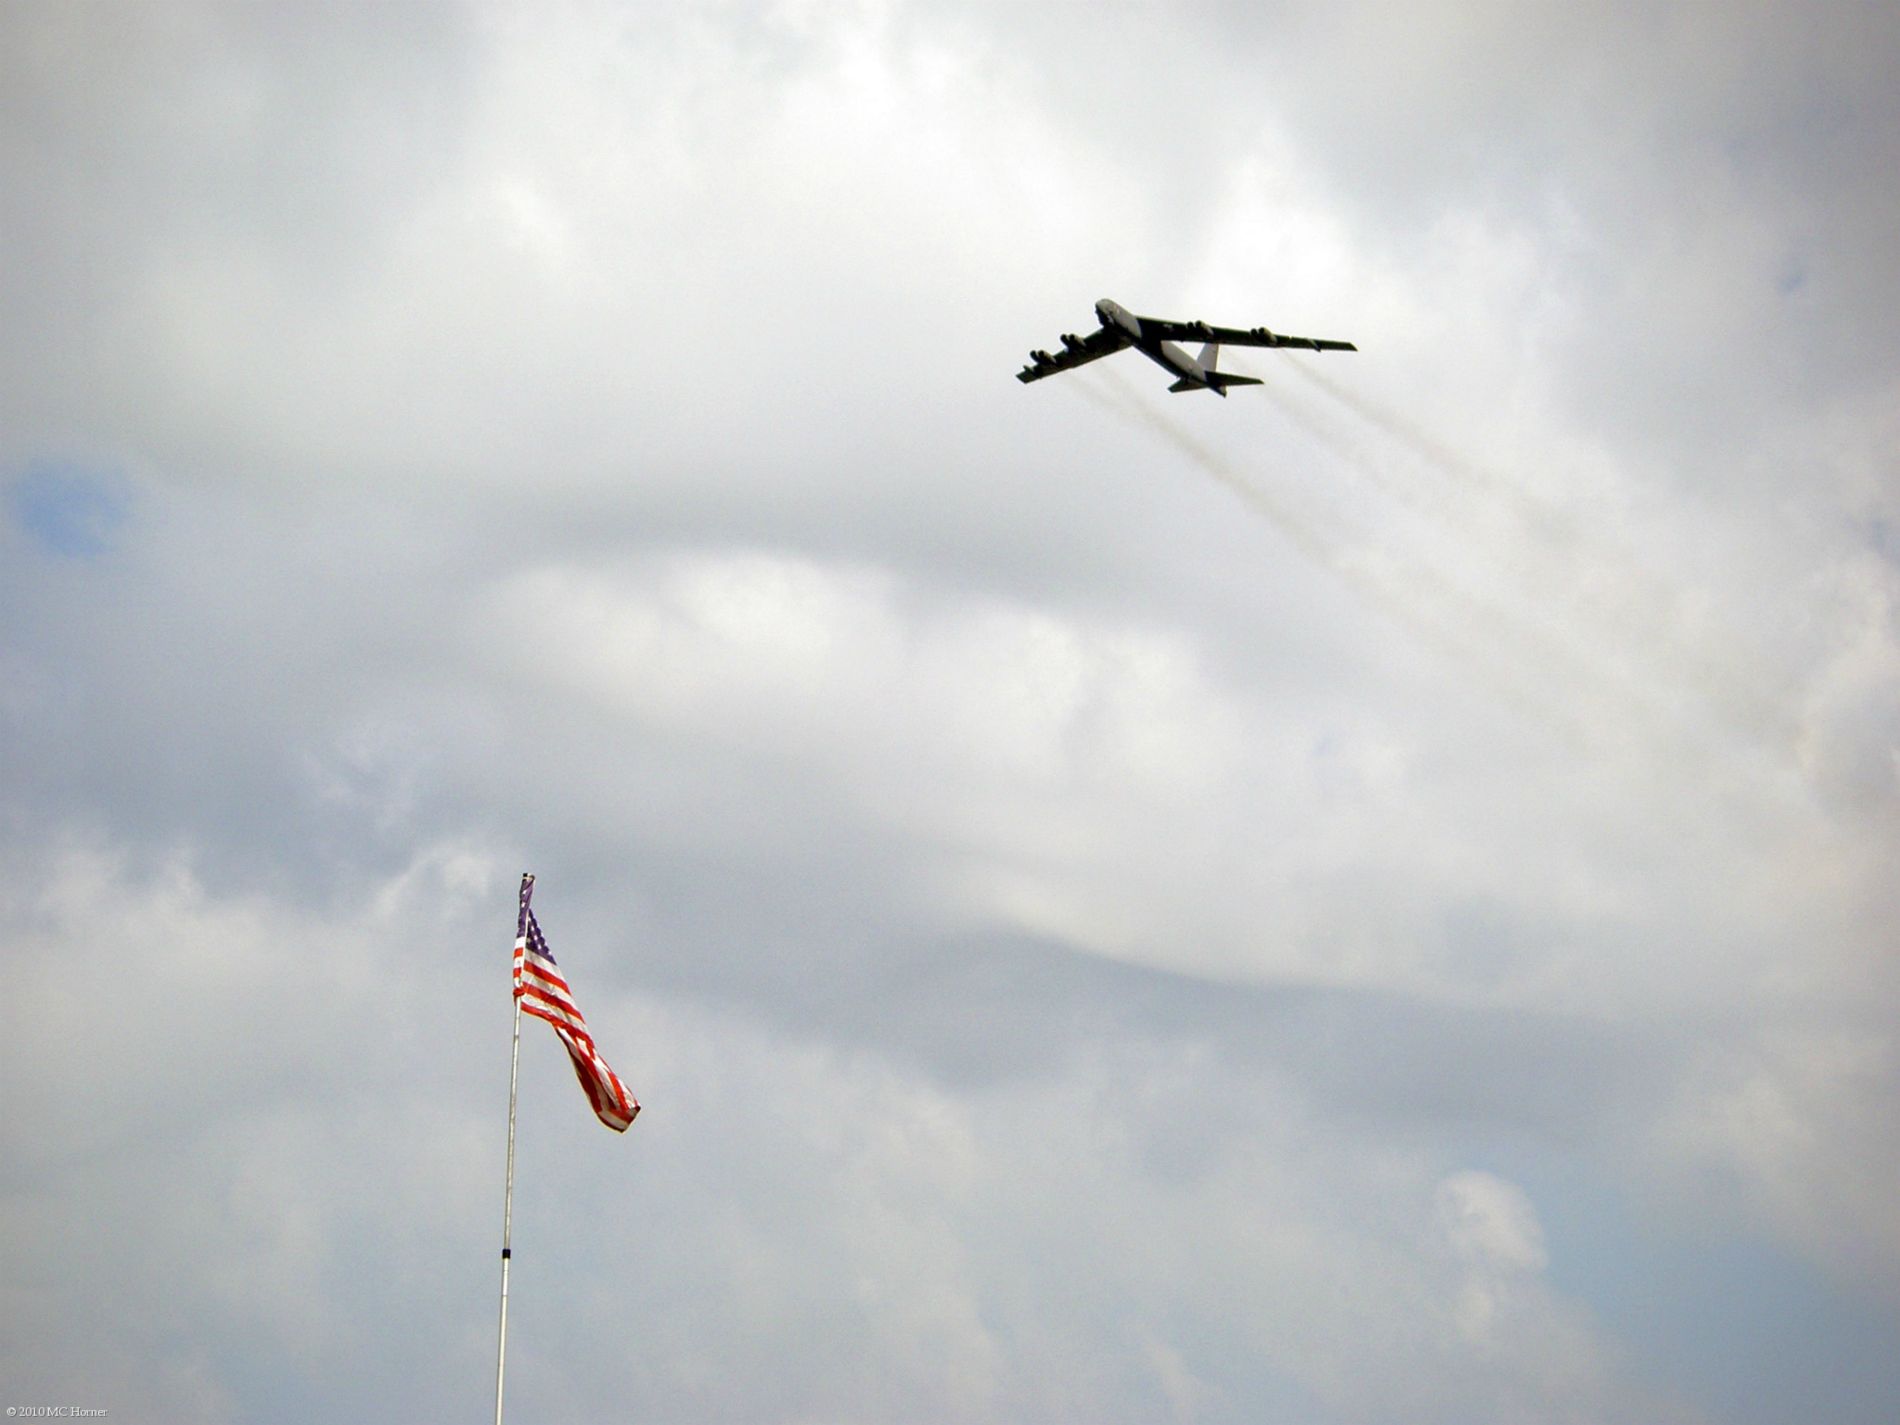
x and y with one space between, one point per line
1799 1124
1078 871
1493 1232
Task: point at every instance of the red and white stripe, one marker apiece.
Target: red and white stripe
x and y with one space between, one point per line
543 993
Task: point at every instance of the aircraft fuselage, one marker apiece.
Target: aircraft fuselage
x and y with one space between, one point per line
1164 354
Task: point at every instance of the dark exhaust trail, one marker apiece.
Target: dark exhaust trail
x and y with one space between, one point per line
1438 613
1511 619
1118 397
1607 592
1530 508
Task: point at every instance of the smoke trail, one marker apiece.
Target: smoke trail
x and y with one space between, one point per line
1436 612
1541 537
1523 623
1531 509
1611 593
1121 399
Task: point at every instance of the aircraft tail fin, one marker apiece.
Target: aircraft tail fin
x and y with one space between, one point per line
1210 356
1217 382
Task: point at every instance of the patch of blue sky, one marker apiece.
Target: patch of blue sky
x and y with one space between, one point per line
1884 535
69 509
1727 1319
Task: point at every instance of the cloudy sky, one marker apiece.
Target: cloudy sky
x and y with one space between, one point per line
1372 900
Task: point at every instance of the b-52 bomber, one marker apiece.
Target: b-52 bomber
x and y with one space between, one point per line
1156 339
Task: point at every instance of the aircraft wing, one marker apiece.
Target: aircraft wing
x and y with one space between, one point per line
1076 351
1237 336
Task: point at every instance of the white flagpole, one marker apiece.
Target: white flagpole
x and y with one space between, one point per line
508 1207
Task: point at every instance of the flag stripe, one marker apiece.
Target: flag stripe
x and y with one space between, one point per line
531 983
548 986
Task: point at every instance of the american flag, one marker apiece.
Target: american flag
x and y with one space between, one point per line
543 993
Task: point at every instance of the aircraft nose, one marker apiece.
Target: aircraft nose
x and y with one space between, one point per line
1111 314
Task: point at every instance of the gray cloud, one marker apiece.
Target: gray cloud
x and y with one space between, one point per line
1115 906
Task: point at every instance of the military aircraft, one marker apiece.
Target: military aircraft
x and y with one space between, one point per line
1156 340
